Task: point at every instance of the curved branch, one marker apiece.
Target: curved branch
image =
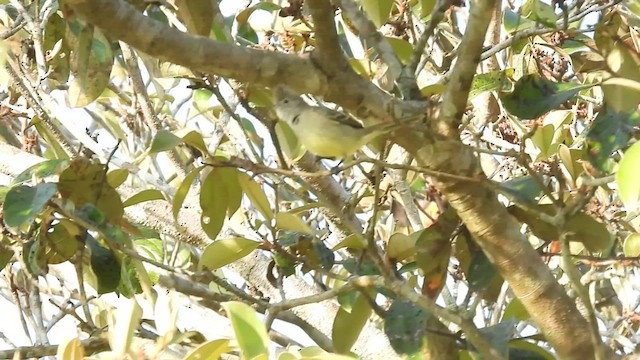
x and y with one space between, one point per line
328 54
122 21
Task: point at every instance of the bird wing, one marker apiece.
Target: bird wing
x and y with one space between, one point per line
343 118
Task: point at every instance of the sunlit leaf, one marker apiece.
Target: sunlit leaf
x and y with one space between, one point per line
539 12
197 15
631 245
256 194
495 80
127 320
91 62
70 349
84 182
291 222
243 16
40 171
627 178
142 196
224 252
163 141
183 190
211 350
250 332
377 10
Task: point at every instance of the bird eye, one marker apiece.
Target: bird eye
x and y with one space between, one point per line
286 101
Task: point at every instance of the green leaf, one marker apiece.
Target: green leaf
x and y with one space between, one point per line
40 171
627 178
224 252
539 12
70 349
183 190
523 188
105 265
433 251
401 246
288 141
571 160
405 326
117 177
401 47
377 10
513 22
211 350
610 131
347 325
499 335
426 8
24 203
6 254
580 228
257 196
220 195
243 16
196 140
85 182
163 141
197 15
57 48
90 62
515 310
534 96
481 272
62 242
632 245
291 222
250 332
142 196
497 80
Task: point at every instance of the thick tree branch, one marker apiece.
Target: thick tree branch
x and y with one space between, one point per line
497 233
122 21
455 97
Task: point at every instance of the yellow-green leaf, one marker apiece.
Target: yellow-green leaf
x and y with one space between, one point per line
348 325
632 245
116 177
224 252
70 349
627 178
250 332
183 189
211 350
144 195
291 222
377 10
256 195
127 320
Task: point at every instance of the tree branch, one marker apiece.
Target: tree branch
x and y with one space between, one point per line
328 55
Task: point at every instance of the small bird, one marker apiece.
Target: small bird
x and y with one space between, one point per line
325 132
